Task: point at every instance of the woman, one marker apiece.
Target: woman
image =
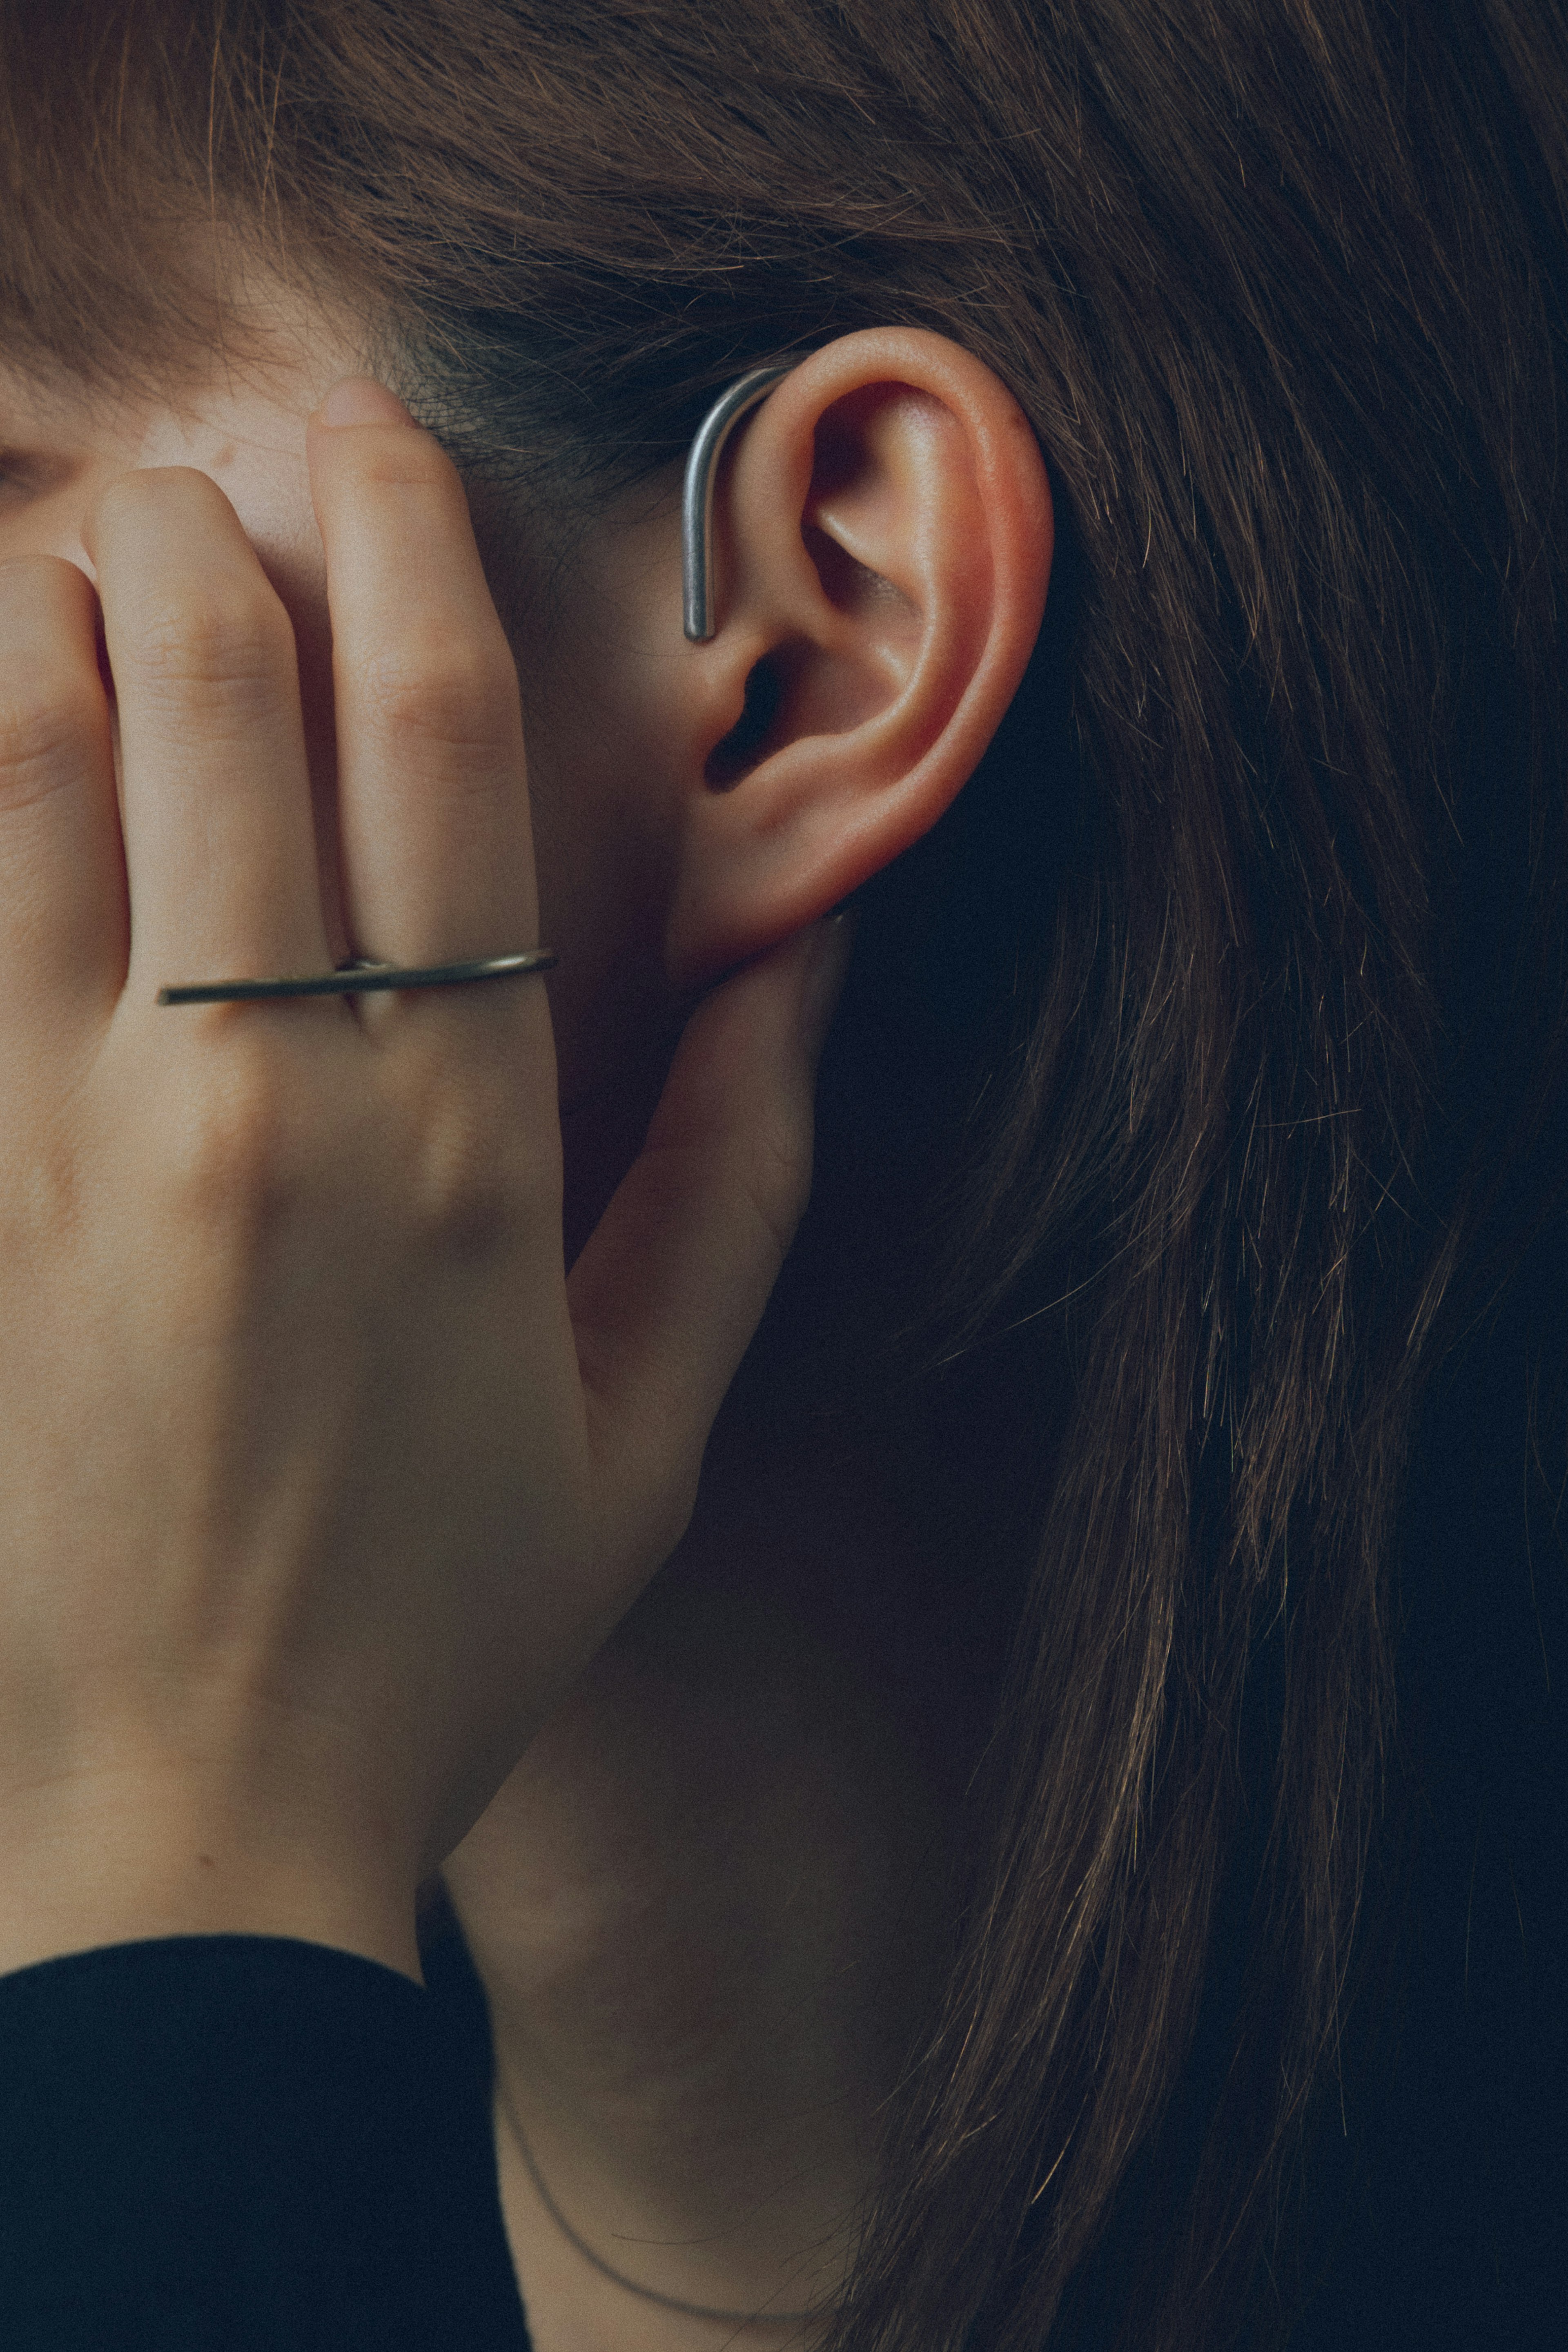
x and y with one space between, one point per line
926 1911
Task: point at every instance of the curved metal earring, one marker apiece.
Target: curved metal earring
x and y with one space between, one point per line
697 495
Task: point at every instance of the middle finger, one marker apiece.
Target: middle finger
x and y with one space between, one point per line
219 840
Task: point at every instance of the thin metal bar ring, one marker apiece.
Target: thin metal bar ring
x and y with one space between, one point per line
697 497
363 979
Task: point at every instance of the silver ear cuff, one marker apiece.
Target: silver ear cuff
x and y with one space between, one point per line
697 495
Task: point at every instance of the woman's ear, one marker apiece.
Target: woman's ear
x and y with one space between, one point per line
882 547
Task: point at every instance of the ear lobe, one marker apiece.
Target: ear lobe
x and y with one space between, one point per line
883 543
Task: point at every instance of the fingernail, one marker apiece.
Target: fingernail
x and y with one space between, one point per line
361 400
825 971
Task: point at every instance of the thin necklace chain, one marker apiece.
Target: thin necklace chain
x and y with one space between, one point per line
619 2278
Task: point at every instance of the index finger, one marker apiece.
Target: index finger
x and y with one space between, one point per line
437 846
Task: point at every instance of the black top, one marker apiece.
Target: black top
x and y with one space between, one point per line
249 2143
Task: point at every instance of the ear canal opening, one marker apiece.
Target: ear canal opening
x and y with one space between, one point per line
739 750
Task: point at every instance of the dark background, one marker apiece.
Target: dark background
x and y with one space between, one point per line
1438 2201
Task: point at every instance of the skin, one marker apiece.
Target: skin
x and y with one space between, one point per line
694 1827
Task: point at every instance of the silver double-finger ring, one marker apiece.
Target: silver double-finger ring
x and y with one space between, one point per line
361 979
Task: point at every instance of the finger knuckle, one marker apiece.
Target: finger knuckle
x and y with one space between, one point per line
232 1159
222 650
442 695
48 728
479 1184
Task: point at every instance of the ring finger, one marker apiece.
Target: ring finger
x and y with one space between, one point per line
431 781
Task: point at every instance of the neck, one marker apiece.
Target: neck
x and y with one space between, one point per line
708 1906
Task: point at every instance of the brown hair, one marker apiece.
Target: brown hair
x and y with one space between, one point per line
1231 1104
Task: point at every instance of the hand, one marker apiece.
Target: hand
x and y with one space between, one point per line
318 1481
